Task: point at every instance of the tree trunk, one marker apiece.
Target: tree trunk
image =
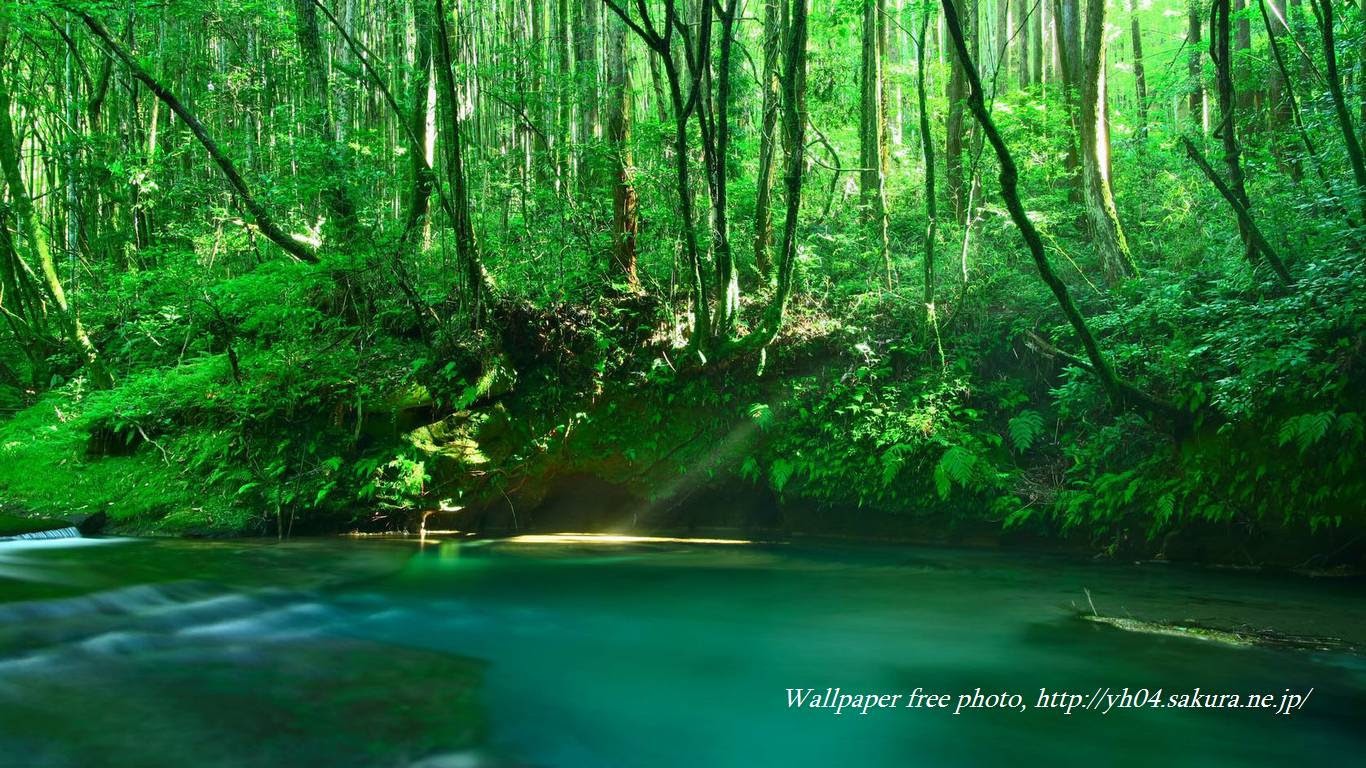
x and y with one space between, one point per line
1286 108
1140 77
1227 131
1095 144
540 67
1067 30
336 193
476 282
794 144
718 118
1196 97
661 41
1242 49
763 217
873 128
420 105
586 93
1244 217
1001 84
927 147
624 221
564 95
957 94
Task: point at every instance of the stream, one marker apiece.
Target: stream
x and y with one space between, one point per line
594 652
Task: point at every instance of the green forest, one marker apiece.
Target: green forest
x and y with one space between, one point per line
1083 273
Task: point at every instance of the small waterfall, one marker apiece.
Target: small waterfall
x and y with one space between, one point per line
68 532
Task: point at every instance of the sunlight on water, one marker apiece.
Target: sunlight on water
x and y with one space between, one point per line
612 538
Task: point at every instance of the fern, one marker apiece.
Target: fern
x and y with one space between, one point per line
780 472
761 415
954 468
749 470
1024 429
1307 429
892 461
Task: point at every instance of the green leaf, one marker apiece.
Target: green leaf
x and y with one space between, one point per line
761 415
1024 429
955 467
780 472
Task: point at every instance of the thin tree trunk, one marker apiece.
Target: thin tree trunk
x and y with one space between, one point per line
336 193
873 128
625 224
727 280
1285 105
1244 217
794 145
1002 41
957 95
1196 98
540 66
927 147
1036 44
1246 97
1140 77
586 77
1067 30
661 41
563 158
763 217
1227 131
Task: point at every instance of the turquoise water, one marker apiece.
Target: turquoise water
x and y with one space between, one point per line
552 653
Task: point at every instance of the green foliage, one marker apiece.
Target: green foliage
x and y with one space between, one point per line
955 467
887 443
1025 429
253 393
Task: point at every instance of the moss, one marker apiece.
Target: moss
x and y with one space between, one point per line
45 465
14 525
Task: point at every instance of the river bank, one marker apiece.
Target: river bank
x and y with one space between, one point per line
681 457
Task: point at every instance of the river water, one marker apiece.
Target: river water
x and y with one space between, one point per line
599 653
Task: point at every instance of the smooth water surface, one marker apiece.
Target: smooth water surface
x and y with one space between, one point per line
575 654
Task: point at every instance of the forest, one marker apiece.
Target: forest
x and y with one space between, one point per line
1087 273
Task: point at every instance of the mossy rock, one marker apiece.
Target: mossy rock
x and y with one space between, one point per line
14 525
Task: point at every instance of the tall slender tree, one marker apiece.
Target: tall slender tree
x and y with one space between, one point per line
955 129
768 139
1140 75
625 222
1093 126
873 126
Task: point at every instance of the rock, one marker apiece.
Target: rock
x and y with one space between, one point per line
89 525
